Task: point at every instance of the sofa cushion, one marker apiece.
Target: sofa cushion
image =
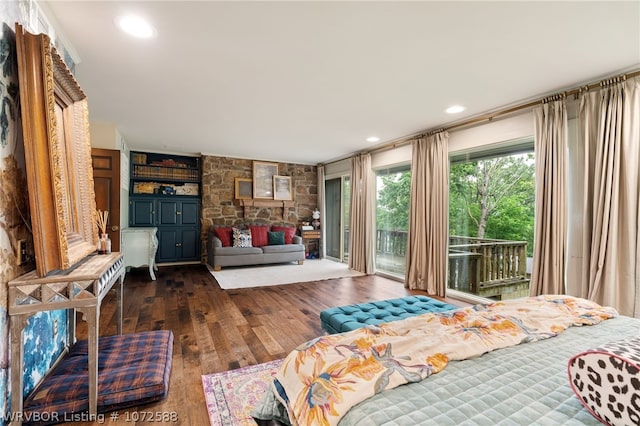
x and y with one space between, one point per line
242 238
283 248
259 235
224 234
275 238
289 232
235 251
134 369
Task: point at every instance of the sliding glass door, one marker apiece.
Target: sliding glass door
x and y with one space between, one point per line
337 199
491 217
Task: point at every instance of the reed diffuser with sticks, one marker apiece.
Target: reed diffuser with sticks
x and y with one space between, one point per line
104 243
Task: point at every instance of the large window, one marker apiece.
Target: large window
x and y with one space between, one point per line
393 186
491 218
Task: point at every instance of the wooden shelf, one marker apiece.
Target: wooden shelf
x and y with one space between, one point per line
256 202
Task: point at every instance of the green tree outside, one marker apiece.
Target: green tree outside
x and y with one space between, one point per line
491 198
394 191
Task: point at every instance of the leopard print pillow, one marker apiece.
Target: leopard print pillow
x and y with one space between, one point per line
607 381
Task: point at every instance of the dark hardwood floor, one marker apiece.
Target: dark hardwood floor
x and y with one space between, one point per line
217 330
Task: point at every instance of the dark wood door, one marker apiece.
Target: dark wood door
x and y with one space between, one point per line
106 180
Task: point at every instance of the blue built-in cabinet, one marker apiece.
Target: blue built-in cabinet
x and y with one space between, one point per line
165 193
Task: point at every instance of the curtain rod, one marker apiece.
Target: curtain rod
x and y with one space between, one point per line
493 115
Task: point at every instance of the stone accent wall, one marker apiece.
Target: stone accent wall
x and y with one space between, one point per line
219 207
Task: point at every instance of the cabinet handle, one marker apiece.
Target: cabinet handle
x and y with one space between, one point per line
178 212
178 244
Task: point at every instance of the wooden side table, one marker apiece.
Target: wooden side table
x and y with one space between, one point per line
140 246
80 288
312 235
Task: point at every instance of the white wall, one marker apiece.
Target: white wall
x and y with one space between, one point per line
497 132
107 136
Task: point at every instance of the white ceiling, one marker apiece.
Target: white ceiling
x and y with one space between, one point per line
308 82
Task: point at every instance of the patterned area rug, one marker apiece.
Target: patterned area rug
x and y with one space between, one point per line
231 395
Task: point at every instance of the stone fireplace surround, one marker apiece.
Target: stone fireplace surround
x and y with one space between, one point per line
220 208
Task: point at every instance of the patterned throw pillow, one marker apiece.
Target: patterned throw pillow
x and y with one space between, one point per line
606 380
289 232
242 237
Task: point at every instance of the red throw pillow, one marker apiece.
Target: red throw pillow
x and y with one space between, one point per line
289 232
225 235
259 235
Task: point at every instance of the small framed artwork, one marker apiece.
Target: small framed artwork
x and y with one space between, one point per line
282 188
244 189
263 174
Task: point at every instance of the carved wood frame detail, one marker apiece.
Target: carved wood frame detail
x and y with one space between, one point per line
55 123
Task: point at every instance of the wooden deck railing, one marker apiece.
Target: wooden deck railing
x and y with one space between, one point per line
488 267
482 266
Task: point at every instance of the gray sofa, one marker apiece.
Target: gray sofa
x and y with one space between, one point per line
219 256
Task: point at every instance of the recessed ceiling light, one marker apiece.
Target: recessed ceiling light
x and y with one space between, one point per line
454 109
373 139
136 26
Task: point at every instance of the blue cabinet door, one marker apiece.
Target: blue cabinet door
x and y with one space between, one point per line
190 212
190 244
167 245
168 212
142 212
178 244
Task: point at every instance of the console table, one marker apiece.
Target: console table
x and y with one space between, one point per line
140 246
80 288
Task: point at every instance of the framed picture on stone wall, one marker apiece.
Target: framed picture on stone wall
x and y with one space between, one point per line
263 174
244 189
282 188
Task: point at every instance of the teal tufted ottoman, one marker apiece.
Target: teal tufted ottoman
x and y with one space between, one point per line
351 317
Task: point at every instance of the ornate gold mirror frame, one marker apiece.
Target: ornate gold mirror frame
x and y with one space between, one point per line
55 123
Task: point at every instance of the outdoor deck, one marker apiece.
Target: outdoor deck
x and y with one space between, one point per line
485 267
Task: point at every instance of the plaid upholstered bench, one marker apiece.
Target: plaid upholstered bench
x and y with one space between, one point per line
351 317
133 369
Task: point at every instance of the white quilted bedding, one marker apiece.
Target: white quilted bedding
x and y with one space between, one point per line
522 385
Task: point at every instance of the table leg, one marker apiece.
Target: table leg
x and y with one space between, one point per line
119 289
17 359
151 268
91 316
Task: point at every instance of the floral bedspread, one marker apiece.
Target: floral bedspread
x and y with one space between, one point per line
320 380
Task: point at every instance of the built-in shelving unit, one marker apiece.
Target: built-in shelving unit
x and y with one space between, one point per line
165 193
161 174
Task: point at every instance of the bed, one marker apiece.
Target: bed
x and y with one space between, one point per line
522 384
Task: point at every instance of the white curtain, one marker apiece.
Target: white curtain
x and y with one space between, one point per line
362 221
429 215
550 233
322 209
609 122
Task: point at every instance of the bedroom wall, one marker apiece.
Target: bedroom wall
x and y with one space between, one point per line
218 190
45 335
